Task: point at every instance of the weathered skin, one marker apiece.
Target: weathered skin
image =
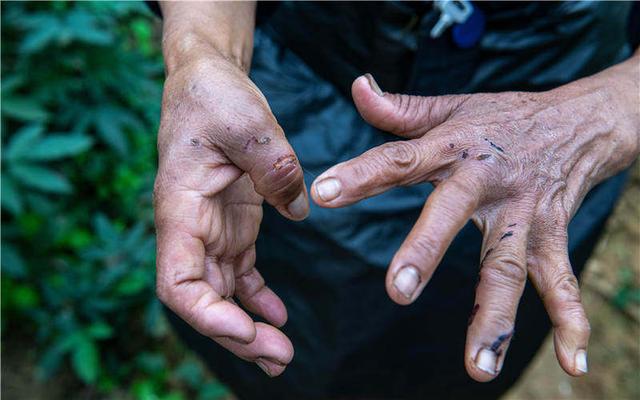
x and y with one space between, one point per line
517 164
221 151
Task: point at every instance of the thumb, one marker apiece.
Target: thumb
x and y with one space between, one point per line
265 154
401 114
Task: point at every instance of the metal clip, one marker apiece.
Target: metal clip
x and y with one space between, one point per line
451 11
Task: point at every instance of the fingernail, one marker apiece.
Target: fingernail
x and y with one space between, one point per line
581 361
406 281
263 366
299 208
486 361
328 189
374 85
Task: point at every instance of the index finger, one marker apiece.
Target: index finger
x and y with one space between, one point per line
392 164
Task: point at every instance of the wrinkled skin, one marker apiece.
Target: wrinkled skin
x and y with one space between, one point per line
518 165
220 152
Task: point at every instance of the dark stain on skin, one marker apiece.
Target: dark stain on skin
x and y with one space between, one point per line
465 154
195 142
451 145
506 235
263 140
497 344
474 311
482 157
511 226
495 146
283 161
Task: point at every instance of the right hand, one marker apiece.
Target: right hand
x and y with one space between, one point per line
221 151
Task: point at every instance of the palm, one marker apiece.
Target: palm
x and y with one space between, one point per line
228 226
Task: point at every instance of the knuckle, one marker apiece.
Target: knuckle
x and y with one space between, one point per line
565 288
505 270
425 249
400 155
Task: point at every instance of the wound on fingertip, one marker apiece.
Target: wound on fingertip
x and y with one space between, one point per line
283 162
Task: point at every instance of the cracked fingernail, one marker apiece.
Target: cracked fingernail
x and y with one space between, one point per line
407 280
374 85
486 361
581 361
328 189
299 208
263 366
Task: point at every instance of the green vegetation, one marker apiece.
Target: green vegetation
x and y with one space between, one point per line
81 88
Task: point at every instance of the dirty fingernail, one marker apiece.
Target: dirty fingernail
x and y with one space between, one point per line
263 366
581 361
374 85
407 281
299 208
486 361
328 189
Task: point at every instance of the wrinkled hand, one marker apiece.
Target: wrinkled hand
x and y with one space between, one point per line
518 165
220 152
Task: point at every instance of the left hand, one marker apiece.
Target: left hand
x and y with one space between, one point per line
518 164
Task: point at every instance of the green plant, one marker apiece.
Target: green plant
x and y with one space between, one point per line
81 87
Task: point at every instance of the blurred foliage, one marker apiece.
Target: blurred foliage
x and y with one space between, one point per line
80 91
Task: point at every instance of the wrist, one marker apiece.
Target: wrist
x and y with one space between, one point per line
193 31
184 48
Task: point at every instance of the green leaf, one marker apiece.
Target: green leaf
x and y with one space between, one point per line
23 140
85 360
110 123
9 196
41 178
132 283
100 330
24 297
24 108
12 263
59 146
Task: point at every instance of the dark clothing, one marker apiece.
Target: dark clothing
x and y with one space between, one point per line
351 341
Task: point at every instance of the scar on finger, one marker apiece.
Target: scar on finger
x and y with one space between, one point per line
512 225
482 157
474 311
506 235
283 162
